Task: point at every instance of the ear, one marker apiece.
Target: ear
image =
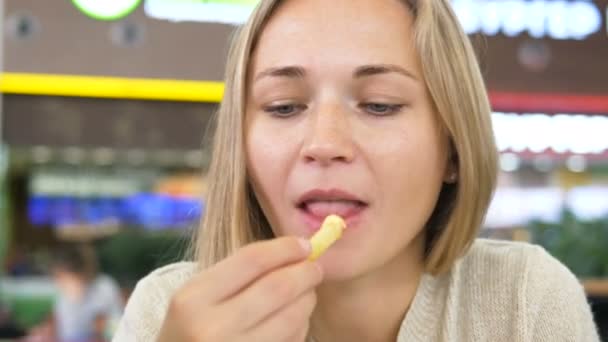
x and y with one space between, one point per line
451 170
450 177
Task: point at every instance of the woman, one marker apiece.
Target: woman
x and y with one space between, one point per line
374 110
88 303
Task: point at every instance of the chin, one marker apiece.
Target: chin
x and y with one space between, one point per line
337 269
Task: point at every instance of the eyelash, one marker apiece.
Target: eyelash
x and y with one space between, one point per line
391 108
296 108
275 110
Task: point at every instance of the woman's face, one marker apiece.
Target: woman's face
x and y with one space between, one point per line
338 121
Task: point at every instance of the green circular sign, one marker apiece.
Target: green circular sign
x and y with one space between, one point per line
106 10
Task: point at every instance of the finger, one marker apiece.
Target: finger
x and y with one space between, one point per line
273 292
236 272
288 323
302 335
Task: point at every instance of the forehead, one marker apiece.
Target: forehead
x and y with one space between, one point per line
321 32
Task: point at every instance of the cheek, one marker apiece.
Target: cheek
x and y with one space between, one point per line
268 157
409 167
404 152
260 153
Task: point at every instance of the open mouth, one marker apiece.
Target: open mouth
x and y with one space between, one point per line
322 209
318 204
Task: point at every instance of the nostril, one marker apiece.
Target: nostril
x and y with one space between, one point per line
327 153
309 159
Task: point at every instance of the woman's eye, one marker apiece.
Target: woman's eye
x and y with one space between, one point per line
284 110
381 108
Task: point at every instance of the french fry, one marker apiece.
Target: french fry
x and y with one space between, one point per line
330 232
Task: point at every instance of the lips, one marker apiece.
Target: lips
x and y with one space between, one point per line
322 209
315 205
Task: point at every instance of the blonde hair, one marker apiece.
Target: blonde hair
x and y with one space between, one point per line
233 217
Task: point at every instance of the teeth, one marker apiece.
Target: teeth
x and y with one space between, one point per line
325 208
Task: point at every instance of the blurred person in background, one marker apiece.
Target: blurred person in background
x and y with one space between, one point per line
88 303
375 111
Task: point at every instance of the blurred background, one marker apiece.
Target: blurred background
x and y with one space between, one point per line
105 108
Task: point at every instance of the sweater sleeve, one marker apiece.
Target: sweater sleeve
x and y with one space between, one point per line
143 315
556 302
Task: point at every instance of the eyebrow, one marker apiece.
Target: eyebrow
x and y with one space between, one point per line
378 69
293 71
287 71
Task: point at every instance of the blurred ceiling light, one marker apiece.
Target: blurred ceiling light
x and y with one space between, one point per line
73 155
233 12
41 154
166 157
509 162
136 157
517 206
576 163
589 202
563 133
108 9
103 156
557 19
193 159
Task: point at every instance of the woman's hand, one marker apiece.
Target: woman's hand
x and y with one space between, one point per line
264 292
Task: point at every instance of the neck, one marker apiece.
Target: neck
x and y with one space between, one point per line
371 307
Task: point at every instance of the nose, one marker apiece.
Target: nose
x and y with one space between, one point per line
329 138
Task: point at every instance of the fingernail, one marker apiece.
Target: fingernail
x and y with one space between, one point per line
305 245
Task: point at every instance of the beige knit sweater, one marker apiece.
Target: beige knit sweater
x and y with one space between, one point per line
499 291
